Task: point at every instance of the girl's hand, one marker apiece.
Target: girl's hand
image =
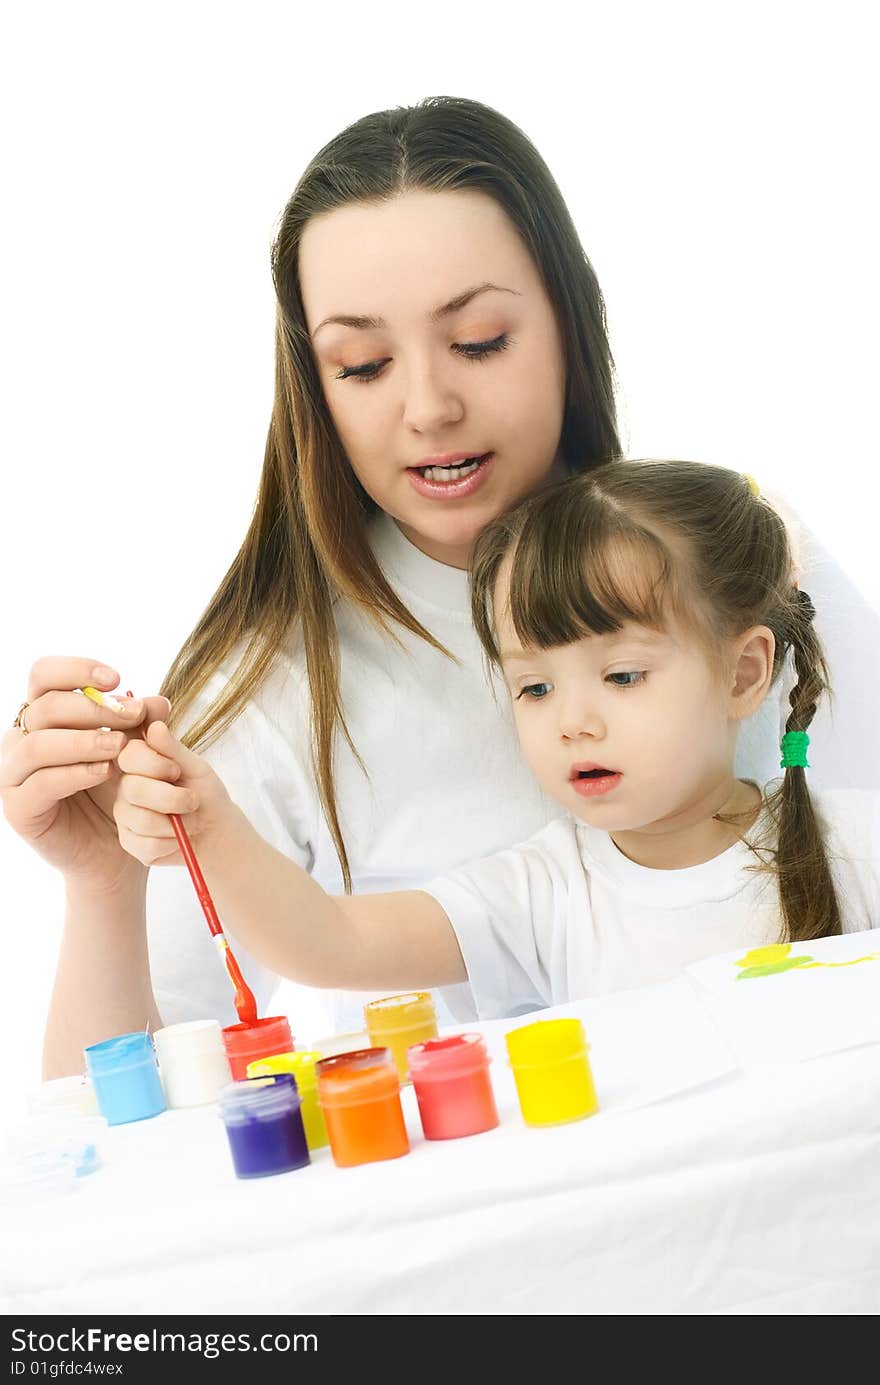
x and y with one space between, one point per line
160 776
58 783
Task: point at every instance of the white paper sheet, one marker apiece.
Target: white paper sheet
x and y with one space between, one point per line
790 1003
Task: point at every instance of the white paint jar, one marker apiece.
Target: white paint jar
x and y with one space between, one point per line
192 1062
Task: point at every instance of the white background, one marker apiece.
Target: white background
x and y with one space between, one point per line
720 164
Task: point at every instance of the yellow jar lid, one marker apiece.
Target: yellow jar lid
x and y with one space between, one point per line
301 1064
396 1012
546 1041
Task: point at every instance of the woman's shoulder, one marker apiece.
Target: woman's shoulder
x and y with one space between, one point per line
273 709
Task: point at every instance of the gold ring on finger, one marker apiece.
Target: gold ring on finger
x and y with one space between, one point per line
19 720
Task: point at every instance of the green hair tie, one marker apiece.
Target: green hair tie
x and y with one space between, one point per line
794 750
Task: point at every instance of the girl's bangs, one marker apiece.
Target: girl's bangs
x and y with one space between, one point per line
563 587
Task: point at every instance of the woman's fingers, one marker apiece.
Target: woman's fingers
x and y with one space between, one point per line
73 709
65 747
25 806
25 756
61 671
55 698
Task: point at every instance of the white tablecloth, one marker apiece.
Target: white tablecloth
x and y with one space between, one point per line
703 1186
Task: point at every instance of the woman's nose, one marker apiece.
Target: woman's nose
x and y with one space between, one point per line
431 402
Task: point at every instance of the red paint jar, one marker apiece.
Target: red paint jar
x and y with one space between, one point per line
245 1042
452 1086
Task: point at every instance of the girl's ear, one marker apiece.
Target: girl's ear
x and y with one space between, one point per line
753 655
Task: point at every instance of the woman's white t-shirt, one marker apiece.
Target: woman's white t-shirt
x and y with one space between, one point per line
447 782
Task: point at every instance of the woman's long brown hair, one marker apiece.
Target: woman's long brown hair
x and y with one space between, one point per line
638 540
307 543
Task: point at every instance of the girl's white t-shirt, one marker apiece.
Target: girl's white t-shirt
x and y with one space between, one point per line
446 781
566 915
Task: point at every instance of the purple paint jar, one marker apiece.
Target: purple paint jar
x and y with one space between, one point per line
264 1125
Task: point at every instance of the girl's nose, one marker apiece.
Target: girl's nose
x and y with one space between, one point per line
580 721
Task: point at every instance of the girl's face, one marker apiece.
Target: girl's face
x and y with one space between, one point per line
632 731
437 347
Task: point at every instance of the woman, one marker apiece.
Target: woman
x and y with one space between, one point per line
441 353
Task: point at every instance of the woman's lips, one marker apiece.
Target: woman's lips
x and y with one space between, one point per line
452 490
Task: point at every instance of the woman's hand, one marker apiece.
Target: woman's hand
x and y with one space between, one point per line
58 781
160 776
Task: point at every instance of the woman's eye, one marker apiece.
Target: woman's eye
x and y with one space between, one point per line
361 372
469 350
629 679
535 691
476 350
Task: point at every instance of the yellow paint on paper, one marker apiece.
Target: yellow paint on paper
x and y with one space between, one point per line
777 957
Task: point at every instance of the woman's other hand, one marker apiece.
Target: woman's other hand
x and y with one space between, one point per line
58 771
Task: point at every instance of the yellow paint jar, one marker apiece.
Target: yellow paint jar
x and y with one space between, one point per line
552 1071
397 1021
302 1065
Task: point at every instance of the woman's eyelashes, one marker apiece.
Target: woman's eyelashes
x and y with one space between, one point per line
628 678
469 351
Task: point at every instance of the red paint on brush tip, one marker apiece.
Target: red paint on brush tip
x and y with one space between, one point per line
243 997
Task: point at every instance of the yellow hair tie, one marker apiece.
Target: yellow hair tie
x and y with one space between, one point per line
752 484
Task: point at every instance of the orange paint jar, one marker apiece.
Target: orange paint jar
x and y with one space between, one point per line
360 1097
397 1021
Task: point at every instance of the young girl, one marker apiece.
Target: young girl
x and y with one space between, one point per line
639 614
441 354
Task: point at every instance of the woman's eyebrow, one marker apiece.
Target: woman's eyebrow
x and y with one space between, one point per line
454 305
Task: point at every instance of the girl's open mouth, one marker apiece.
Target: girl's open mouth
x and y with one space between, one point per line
589 783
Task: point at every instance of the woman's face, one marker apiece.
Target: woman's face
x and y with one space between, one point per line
430 366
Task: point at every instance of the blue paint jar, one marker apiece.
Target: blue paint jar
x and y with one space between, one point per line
125 1078
264 1125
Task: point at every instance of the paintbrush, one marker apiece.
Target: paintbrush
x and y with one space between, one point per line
243 997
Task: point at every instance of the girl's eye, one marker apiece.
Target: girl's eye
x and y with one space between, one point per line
630 679
535 691
469 350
